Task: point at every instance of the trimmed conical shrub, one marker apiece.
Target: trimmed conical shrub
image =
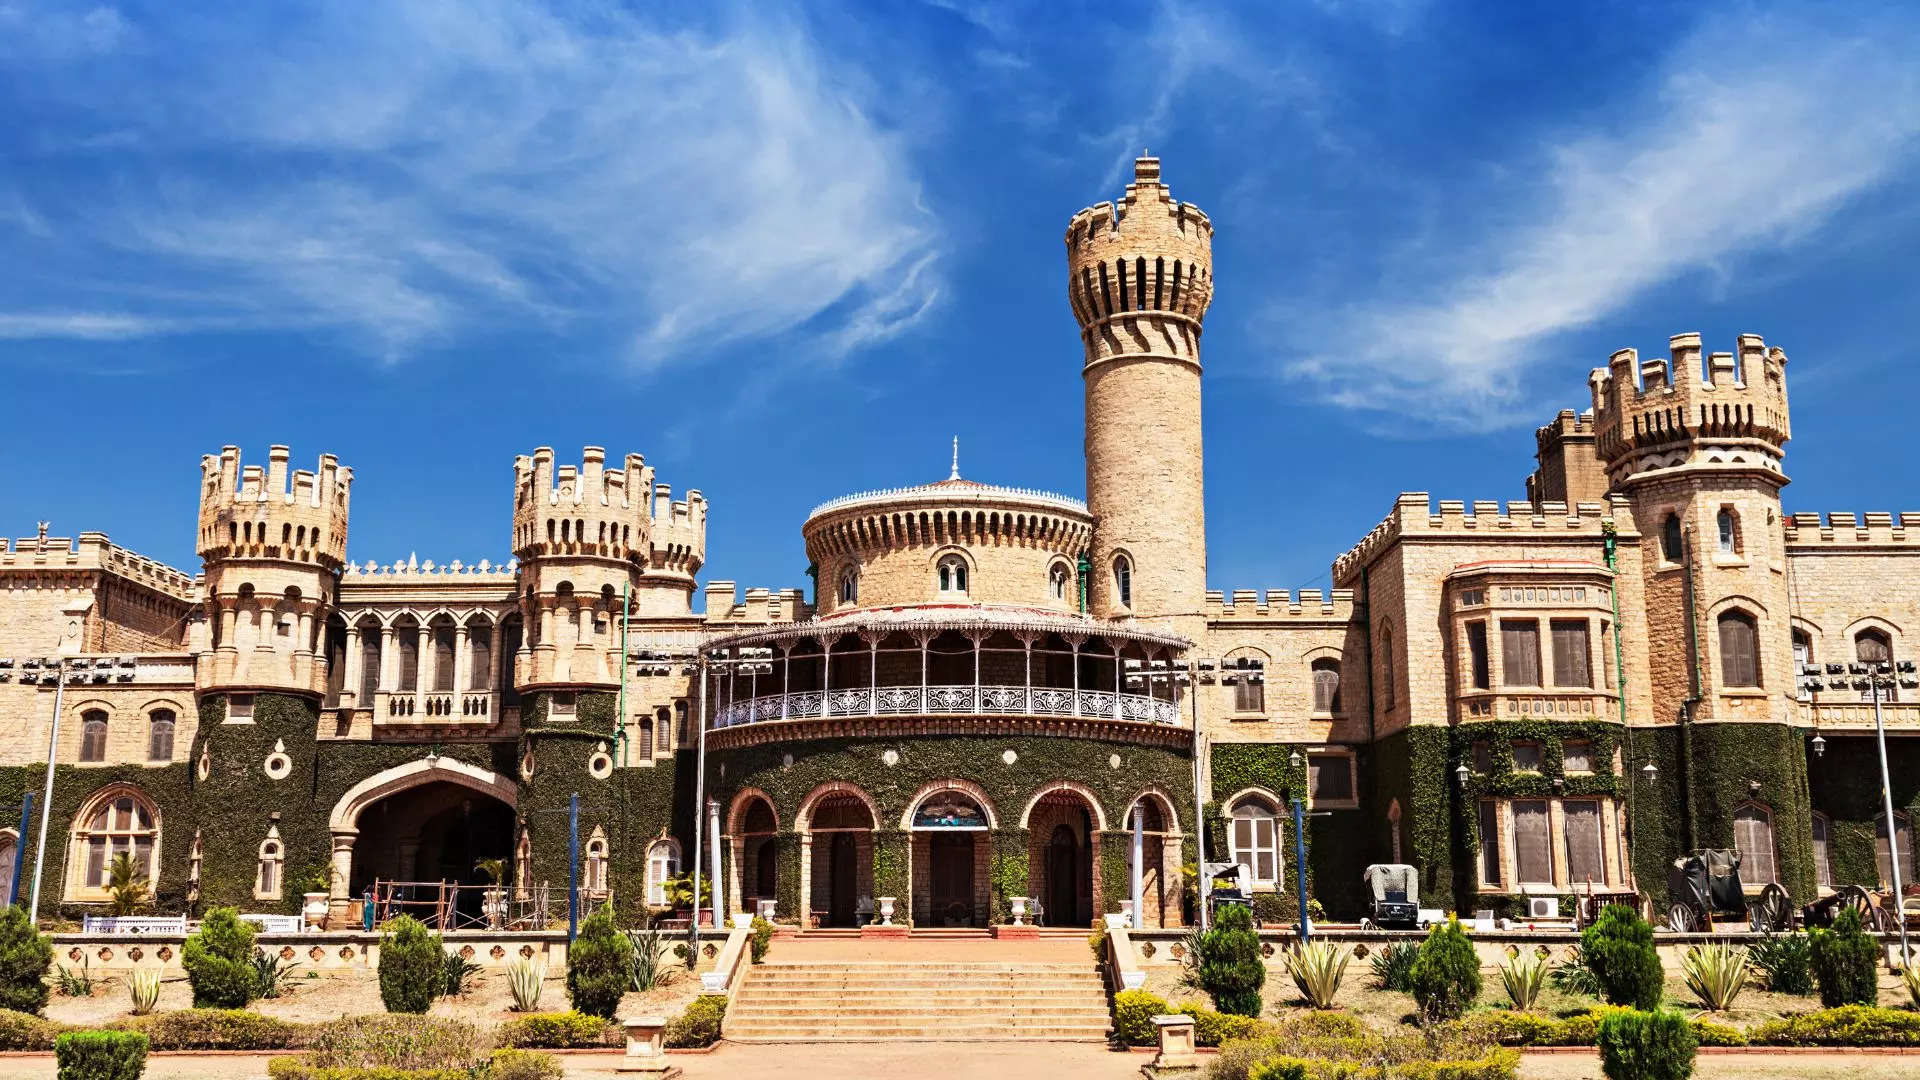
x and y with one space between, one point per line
25 956
219 962
412 972
599 966
1446 972
1231 968
1619 949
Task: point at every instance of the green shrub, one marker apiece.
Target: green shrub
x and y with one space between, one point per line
762 938
1523 977
1213 1028
1716 973
1710 1033
1281 1068
25 1031
1846 963
1231 968
1133 1013
1336 1046
1446 972
289 1068
397 1041
412 971
455 971
219 962
100 1055
555 1031
216 1029
1848 1025
1584 1029
1785 963
1393 966
699 1025
1619 949
1509 1028
599 966
1638 1045
523 1065
1575 976
25 956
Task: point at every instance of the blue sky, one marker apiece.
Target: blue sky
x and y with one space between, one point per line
789 253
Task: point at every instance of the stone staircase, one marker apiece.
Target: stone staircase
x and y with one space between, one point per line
941 1001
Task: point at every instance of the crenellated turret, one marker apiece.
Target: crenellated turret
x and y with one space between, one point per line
1663 413
272 546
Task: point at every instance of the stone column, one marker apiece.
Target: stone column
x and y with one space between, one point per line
340 869
714 858
1139 866
356 668
389 661
462 660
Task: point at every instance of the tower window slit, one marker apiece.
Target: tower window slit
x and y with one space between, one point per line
1140 282
1159 278
1120 270
1173 298
1106 293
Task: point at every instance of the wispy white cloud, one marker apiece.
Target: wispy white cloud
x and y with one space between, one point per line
1757 131
84 326
418 174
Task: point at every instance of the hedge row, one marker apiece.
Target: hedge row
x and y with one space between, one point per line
1849 1025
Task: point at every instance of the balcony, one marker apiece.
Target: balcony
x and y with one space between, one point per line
950 701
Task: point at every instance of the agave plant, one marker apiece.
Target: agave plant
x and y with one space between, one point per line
523 978
1524 976
648 967
1716 973
1317 969
144 987
1910 976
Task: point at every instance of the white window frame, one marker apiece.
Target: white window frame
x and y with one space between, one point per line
1123 580
1248 856
663 862
269 874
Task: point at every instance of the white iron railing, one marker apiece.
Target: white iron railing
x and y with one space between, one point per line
950 701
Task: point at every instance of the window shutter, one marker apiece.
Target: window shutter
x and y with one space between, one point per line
1489 842
1822 867
1532 843
1738 662
1520 653
1477 652
1584 863
1570 666
1753 838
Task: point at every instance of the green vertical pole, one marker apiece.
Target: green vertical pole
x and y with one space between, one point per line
620 729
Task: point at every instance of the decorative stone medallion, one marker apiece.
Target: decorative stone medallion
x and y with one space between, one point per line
891 757
1146 949
497 952
526 764
316 954
204 767
1360 951
1113 761
74 954
466 952
1009 757
106 954
1266 948
1542 951
278 765
526 952
600 765
346 952
165 953
287 954
1176 950
134 954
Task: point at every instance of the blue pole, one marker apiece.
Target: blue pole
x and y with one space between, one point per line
1300 862
573 867
26 822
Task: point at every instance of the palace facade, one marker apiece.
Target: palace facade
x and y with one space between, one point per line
992 692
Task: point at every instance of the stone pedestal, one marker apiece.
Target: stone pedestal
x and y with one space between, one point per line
1176 1056
646 1054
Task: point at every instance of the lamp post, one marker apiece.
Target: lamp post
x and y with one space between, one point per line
46 797
1873 676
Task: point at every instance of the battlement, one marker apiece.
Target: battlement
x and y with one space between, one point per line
1664 412
414 569
250 512
1146 253
1414 516
93 551
1567 424
1875 528
761 607
592 510
1274 605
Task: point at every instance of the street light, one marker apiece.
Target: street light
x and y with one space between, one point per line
1819 746
1650 773
1879 675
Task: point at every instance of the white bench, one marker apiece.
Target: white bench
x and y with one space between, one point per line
134 924
277 924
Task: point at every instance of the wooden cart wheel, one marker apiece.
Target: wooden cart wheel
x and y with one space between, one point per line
1883 921
1680 919
1772 912
1855 897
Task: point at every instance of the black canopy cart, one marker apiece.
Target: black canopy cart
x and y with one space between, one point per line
1706 885
1395 888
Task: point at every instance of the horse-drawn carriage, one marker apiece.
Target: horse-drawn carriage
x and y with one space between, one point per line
1706 885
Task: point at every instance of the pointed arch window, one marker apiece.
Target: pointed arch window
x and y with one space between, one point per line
1739 650
1727 526
1123 580
93 735
160 735
1670 540
1875 647
1326 686
268 876
1753 839
850 587
593 876
663 863
1057 582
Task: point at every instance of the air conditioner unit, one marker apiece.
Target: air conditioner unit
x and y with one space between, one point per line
1543 907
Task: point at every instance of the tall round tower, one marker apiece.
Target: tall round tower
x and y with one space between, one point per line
1140 276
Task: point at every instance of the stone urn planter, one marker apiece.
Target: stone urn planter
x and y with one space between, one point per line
493 904
313 906
1019 905
886 911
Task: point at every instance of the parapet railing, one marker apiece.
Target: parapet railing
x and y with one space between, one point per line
949 701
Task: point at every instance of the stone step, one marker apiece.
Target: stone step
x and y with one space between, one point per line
929 978
1076 1011
973 1033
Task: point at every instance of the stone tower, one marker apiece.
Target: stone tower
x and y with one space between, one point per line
582 534
272 552
1140 277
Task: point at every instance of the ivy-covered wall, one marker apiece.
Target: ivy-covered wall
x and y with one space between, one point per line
1340 843
1845 785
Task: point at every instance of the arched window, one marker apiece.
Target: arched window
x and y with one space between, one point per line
1670 543
1123 580
160 735
523 856
119 821
662 730
268 877
1875 647
593 876
663 862
1057 582
1253 839
1326 685
849 587
1822 852
1727 523
1883 859
1753 839
1739 649
93 735
953 576
644 740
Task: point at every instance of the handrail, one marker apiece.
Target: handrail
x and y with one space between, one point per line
966 700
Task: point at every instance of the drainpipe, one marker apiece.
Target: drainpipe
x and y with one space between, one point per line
620 729
1085 569
1611 544
1693 697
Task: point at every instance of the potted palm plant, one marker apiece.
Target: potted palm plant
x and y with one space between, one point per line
494 900
679 892
126 886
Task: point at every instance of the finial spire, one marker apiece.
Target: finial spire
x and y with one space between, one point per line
955 474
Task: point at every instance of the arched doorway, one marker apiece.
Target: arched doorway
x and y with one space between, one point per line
1063 829
756 862
1160 882
840 831
950 826
433 820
